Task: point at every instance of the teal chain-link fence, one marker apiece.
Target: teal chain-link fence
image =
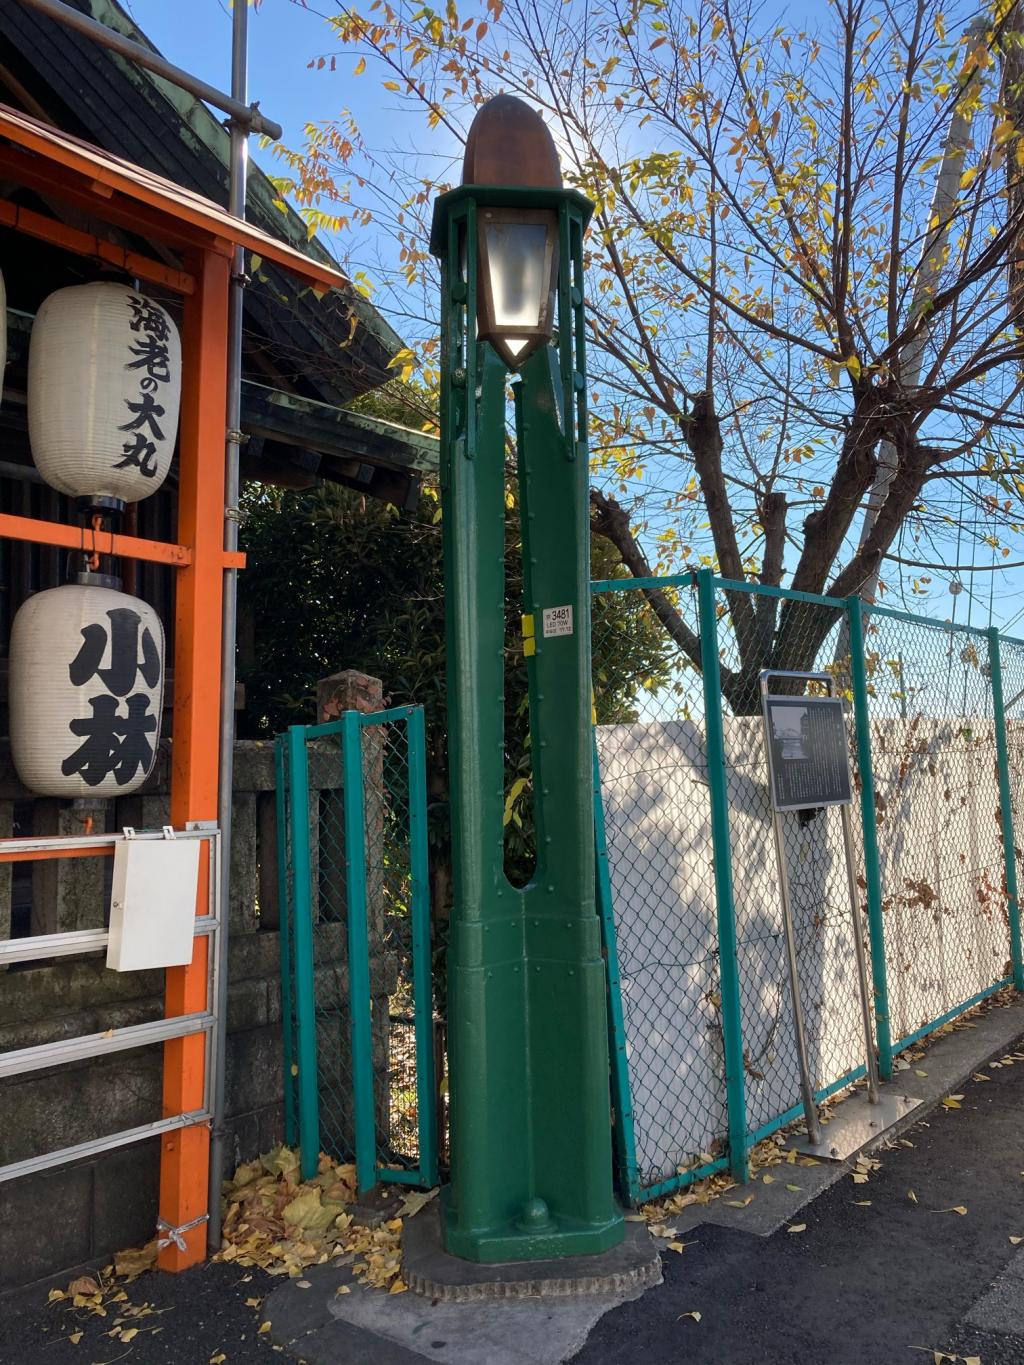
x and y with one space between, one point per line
704 1062
356 976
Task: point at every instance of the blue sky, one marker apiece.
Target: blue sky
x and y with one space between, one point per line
284 37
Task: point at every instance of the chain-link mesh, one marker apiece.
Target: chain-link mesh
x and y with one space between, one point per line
380 873
813 640
389 892
328 919
649 708
937 810
940 878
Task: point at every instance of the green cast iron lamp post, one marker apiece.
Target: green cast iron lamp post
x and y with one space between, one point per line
531 1161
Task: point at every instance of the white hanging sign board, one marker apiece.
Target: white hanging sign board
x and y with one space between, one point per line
153 904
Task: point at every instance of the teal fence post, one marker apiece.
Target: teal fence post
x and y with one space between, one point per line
621 1094
1006 806
422 982
869 827
302 924
284 921
728 968
358 953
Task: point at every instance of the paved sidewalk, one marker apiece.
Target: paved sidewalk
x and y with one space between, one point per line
875 1278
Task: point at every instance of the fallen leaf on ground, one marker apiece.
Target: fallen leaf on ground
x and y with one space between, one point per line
797 1227
129 1265
961 1209
694 1314
414 1201
913 1199
768 1179
76 1337
920 1073
218 1359
264 1328
343 1289
399 1287
1017 1240
793 1189
85 1284
862 1203
978 1076
740 1203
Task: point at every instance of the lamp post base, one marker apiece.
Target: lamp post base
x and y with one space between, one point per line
627 1261
533 1236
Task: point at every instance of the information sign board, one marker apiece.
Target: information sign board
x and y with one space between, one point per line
808 752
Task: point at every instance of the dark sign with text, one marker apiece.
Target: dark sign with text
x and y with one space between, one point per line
808 753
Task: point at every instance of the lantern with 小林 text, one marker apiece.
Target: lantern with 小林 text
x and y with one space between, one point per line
104 388
86 691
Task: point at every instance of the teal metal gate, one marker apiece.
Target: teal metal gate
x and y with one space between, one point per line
357 1010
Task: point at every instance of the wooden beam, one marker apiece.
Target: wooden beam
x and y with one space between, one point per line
85 244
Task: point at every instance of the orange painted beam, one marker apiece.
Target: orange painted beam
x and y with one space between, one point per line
118 187
105 542
40 854
85 244
81 538
185 1153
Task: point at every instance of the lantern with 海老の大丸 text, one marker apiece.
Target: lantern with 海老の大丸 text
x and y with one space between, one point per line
104 388
86 691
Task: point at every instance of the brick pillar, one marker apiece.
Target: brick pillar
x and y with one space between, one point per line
349 690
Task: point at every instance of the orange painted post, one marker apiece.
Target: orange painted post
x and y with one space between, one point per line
185 1153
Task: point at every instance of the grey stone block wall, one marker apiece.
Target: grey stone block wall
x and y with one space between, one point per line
59 1218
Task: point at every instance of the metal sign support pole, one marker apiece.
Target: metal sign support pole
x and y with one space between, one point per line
806 1080
862 970
871 1066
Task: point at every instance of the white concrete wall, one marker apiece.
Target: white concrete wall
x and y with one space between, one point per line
945 914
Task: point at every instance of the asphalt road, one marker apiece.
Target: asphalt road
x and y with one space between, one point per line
884 1284
862 1285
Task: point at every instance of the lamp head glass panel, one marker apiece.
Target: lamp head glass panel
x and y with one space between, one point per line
516 280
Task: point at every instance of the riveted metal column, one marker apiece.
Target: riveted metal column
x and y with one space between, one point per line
531 1153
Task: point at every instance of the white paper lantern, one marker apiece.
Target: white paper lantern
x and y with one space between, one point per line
104 388
86 691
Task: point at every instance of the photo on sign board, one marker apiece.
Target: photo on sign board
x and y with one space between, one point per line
789 730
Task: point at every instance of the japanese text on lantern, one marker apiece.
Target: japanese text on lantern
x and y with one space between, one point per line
150 357
115 742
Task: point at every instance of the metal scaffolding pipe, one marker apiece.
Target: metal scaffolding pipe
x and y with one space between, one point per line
239 166
248 115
